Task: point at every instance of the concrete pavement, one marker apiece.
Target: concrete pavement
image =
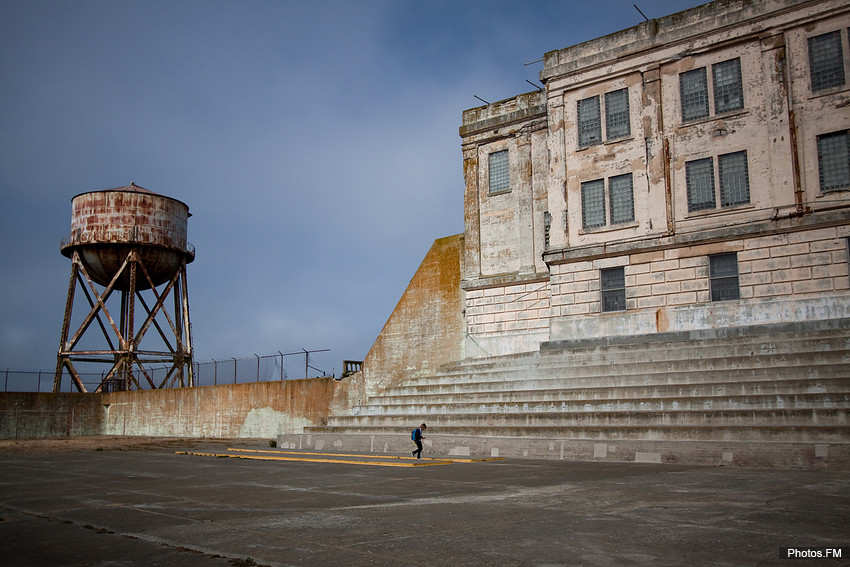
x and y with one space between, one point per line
160 507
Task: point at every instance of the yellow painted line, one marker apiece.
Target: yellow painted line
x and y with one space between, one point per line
306 460
368 456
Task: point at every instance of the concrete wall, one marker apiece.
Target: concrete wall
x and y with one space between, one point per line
793 277
255 410
25 414
425 330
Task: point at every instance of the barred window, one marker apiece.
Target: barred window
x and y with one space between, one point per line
693 89
834 161
613 284
723 276
699 178
728 88
593 203
499 172
617 122
589 122
621 199
734 179
826 61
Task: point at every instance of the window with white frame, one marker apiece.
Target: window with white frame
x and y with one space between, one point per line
826 61
613 285
593 203
693 91
834 161
733 187
734 179
728 86
617 123
726 90
617 118
612 205
723 276
499 172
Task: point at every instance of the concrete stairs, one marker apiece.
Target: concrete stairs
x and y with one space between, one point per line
768 395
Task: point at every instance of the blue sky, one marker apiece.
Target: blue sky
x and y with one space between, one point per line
316 144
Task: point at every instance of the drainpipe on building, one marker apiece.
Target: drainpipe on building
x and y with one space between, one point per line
792 135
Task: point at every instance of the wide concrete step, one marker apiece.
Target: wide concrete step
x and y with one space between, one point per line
806 433
534 402
742 346
645 348
614 367
578 417
752 334
783 390
628 377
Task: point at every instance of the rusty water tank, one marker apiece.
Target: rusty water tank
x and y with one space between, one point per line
106 225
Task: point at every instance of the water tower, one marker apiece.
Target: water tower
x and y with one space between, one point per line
127 243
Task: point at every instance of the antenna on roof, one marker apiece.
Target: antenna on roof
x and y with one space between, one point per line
481 99
641 13
538 87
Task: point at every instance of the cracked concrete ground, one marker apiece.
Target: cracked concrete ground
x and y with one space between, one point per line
109 506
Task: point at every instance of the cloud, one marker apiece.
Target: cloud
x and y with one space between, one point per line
316 144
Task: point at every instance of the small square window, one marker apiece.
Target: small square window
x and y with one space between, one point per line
617 122
589 122
699 178
723 276
834 161
693 90
621 199
499 172
734 179
826 61
728 88
593 203
613 284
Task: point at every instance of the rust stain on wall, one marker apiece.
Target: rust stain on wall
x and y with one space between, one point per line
425 330
257 410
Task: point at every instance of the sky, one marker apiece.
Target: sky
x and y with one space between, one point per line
315 142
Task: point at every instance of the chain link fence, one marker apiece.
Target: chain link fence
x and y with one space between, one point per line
267 368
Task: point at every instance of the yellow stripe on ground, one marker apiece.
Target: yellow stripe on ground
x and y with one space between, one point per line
370 456
308 460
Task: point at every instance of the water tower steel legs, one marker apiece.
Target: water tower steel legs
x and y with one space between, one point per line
127 356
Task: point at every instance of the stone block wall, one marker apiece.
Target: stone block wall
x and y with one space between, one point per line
787 277
519 307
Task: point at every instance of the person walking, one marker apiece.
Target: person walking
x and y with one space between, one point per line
417 438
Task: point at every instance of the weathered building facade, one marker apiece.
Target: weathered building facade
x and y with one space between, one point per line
688 173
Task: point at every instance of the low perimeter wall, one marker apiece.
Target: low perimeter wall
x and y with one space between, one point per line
254 410
711 453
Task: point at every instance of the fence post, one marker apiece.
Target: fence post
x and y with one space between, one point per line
234 370
215 372
6 384
258 367
38 388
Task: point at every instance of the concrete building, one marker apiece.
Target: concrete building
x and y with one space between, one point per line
654 265
688 173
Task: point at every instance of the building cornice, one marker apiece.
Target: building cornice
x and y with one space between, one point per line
771 227
503 280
